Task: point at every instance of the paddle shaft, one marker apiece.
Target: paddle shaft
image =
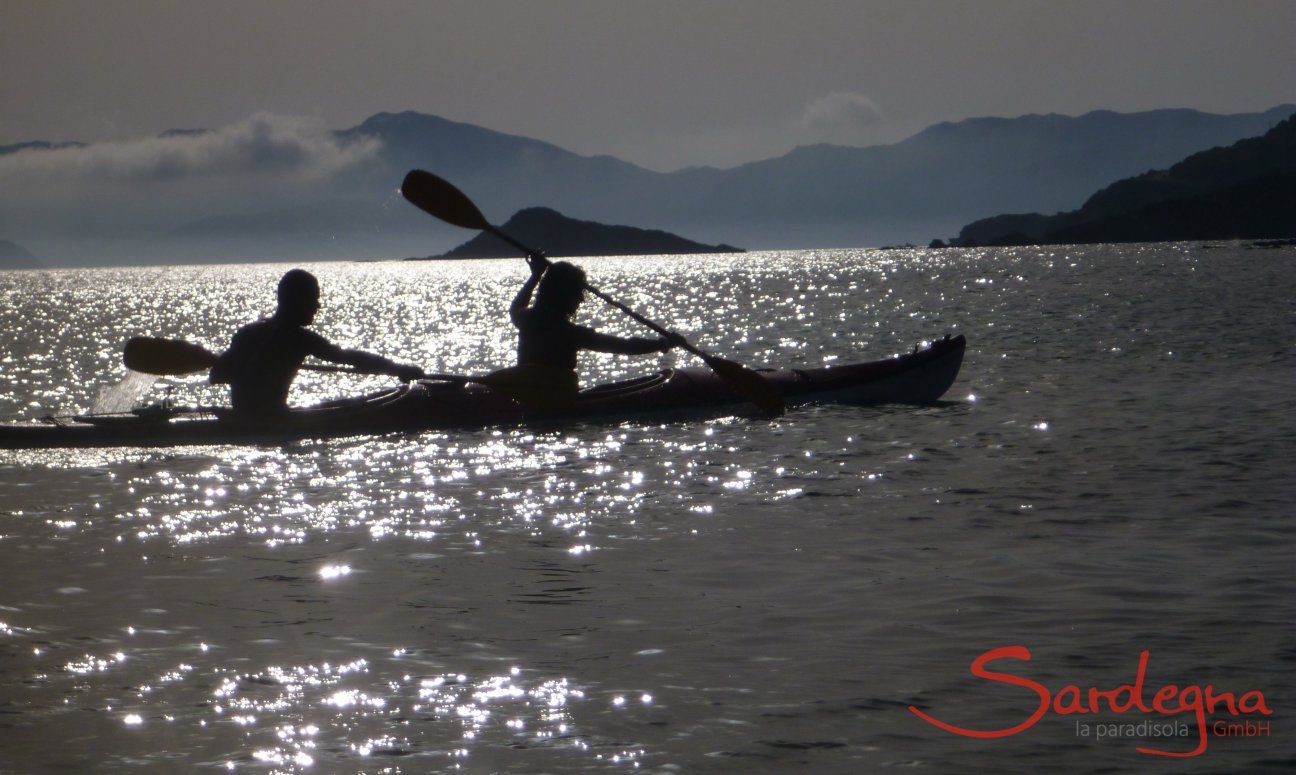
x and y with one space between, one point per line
346 370
508 239
333 369
176 357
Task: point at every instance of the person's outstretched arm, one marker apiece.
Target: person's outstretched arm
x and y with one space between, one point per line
366 361
590 339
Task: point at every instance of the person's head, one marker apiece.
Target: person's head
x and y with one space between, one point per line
298 297
561 290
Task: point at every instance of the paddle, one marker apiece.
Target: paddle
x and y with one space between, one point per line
173 357
439 198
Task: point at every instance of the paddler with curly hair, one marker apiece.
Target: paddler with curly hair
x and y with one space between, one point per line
548 340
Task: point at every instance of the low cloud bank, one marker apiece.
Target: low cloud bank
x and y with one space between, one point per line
261 145
151 187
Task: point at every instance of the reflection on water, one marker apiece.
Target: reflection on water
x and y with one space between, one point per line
741 595
287 714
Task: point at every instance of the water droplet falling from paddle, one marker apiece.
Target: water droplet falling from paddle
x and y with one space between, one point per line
123 395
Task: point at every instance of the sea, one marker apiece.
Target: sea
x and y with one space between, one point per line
1045 571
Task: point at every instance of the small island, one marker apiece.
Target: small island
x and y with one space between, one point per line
562 237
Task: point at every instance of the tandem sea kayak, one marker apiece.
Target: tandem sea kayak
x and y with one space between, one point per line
919 377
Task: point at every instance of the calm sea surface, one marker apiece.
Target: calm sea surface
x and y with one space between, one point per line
1112 473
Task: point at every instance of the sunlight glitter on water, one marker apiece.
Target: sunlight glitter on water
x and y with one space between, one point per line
315 706
444 489
672 596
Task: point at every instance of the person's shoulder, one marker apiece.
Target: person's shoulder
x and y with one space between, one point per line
311 337
253 329
307 340
283 328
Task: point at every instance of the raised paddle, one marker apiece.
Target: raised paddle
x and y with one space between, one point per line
439 198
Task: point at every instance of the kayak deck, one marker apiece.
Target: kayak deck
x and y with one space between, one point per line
920 377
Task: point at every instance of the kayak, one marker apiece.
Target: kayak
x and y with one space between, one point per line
920 377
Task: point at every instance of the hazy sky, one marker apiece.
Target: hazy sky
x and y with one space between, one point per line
660 83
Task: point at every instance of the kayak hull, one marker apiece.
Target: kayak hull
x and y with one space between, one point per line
920 377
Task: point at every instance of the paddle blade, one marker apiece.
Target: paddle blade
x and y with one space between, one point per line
439 198
151 355
748 384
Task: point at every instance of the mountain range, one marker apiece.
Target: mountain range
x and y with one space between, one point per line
259 191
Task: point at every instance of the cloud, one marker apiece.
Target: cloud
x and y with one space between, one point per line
845 118
156 185
840 118
263 145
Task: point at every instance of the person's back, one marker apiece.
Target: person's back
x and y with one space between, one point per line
262 361
263 358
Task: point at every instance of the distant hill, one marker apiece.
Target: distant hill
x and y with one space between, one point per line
562 237
37 145
822 195
14 256
183 133
1246 190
